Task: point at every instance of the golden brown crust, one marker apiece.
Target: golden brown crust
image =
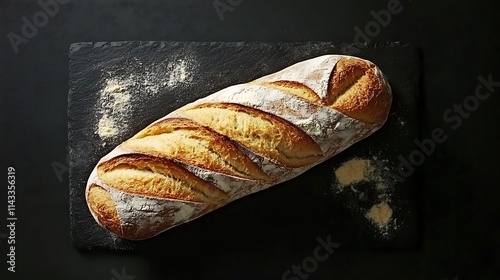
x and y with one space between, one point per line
262 133
357 90
294 88
151 176
191 143
103 207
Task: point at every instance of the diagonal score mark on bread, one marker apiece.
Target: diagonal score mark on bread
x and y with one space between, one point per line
294 88
264 134
355 89
344 78
191 143
161 178
104 208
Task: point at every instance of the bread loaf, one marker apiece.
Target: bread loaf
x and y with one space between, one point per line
237 141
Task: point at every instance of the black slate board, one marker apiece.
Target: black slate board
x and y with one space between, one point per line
295 212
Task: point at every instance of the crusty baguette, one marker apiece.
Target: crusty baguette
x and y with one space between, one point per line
237 141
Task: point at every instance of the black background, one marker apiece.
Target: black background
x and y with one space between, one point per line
458 41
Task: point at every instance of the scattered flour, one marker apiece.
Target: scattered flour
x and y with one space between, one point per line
179 73
372 172
121 93
380 214
107 127
354 171
114 101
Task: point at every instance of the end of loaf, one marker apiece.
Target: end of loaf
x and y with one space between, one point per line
103 208
358 89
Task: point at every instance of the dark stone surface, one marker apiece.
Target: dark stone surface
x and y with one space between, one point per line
308 206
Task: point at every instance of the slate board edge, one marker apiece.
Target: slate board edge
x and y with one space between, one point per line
77 46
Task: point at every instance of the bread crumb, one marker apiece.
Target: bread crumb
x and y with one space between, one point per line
380 214
354 171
